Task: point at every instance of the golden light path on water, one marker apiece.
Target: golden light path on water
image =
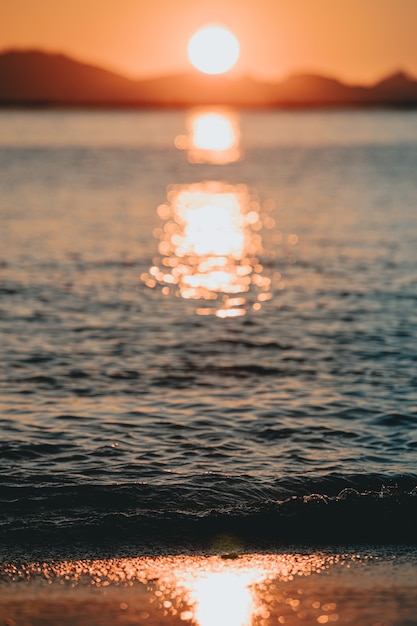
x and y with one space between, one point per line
209 247
232 590
241 591
213 136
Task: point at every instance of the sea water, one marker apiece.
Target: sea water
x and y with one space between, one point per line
142 398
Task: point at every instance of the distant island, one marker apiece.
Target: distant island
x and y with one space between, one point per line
36 78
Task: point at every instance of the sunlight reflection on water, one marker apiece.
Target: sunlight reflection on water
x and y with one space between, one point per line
296 588
213 137
233 590
210 244
237 591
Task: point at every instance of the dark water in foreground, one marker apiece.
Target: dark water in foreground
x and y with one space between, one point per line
128 417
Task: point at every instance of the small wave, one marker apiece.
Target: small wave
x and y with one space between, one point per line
258 345
14 450
398 420
195 514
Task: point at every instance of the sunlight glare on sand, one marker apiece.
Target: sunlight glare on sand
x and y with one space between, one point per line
210 246
297 589
204 591
223 598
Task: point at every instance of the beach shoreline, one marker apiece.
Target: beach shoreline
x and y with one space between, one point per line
297 585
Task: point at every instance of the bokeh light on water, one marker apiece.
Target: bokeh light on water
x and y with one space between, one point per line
213 136
243 590
210 247
228 590
299 588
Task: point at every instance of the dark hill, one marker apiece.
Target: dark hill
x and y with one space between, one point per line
38 78
398 87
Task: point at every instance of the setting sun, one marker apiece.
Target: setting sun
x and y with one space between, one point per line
213 50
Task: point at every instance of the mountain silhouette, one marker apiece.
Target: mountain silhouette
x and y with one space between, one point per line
33 77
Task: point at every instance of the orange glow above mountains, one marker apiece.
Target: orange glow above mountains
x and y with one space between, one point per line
357 41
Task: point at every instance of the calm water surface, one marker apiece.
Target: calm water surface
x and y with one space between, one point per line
126 410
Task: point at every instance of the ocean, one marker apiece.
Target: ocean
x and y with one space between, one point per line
207 346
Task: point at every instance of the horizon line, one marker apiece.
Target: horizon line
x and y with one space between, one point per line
232 75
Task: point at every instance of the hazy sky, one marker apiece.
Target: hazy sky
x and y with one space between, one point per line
357 40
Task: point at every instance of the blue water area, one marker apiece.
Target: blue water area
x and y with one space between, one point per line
127 412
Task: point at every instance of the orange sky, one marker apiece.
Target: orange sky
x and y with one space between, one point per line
357 40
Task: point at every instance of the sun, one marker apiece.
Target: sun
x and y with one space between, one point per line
213 49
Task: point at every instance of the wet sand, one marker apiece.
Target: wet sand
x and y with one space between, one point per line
375 586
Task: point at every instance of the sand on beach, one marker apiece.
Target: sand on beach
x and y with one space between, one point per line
368 586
